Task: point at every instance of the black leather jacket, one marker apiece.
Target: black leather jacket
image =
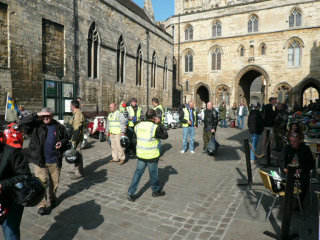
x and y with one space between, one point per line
211 119
38 131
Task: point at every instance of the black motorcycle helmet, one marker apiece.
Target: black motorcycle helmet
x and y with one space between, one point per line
3 211
71 156
124 141
29 192
69 130
211 152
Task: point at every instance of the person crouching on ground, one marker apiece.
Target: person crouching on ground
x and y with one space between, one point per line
148 133
47 141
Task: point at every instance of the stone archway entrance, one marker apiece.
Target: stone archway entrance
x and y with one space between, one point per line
310 91
202 96
252 85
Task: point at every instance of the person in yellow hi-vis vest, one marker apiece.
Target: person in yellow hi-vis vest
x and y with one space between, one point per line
189 119
116 127
134 117
159 114
148 133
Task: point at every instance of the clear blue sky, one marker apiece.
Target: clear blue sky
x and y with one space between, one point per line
163 9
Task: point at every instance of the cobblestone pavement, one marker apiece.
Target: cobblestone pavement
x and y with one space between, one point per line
201 201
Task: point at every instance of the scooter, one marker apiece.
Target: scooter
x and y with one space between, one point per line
97 128
12 136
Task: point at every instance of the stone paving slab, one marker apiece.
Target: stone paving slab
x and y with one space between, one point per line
203 200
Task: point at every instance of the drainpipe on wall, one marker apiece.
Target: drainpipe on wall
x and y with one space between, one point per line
147 103
76 46
181 98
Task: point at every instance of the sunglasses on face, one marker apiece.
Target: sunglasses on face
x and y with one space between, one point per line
46 117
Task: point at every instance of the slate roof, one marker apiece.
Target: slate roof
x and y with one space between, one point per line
136 9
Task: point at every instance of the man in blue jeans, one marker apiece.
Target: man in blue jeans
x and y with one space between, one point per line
242 113
255 125
148 133
13 169
189 119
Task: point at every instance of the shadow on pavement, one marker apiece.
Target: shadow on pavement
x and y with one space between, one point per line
91 178
164 174
165 148
68 222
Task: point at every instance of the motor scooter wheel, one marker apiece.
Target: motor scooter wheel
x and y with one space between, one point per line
101 136
179 125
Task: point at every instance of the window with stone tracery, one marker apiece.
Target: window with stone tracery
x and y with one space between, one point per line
189 33
223 95
216 59
120 60
294 53
216 29
165 74
253 24
295 18
93 51
153 70
139 66
283 92
188 60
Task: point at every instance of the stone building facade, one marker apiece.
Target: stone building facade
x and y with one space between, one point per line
102 50
245 50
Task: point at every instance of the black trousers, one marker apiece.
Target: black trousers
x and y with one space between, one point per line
133 139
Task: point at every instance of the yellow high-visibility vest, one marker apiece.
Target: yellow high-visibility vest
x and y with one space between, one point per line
187 116
147 144
130 111
161 108
114 123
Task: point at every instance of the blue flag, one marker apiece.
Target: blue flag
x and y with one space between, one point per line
12 105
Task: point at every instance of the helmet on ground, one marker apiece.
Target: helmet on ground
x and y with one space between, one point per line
124 141
71 156
3 211
28 192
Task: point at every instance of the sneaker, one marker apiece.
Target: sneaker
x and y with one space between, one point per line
158 194
183 151
75 177
130 198
191 151
42 211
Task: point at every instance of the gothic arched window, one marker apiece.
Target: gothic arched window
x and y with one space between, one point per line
283 92
223 94
295 18
93 51
189 33
263 49
188 60
120 60
253 24
153 70
294 54
216 59
216 29
139 66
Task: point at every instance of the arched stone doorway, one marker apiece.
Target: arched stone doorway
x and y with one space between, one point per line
310 91
202 96
251 85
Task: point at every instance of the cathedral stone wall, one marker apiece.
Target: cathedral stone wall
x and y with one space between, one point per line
40 41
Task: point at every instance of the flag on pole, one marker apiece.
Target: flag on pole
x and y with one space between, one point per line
11 104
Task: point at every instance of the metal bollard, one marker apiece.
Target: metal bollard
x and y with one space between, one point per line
248 163
268 149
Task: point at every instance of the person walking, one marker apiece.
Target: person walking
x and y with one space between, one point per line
223 114
116 127
242 113
148 133
255 125
189 119
160 114
13 169
48 140
210 121
134 117
78 124
233 115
